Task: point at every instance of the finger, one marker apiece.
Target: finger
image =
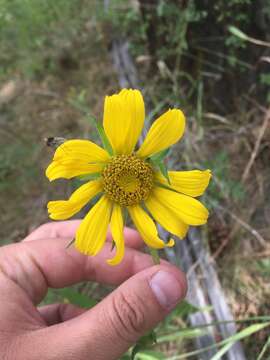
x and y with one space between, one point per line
37 265
132 238
111 327
57 313
67 229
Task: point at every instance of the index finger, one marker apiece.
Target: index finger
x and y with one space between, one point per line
67 229
37 265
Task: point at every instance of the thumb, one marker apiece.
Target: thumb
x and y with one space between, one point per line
130 311
136 307
109 329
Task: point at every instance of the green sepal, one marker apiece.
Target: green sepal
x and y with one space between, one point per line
158 157
164 171
158 161
88 177
145 341
105 141
155 256
125 215
113 245
164 186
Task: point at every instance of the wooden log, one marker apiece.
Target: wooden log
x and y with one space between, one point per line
194 258
209 292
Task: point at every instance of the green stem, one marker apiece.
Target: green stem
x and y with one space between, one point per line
155 256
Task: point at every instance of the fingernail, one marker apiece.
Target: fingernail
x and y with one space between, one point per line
166 289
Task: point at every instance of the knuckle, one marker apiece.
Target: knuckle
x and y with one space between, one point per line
47 227
128 316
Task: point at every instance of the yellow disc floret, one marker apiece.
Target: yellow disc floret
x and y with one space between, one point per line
127 179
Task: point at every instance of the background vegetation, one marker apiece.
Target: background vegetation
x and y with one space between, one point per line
211 58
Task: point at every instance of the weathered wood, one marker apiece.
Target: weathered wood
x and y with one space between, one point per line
213 294
124 66
195 296
204 286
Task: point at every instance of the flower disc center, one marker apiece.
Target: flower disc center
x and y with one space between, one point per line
127 179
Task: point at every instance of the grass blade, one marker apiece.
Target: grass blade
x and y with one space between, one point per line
239 336
265 347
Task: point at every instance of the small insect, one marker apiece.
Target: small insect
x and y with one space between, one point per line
54 142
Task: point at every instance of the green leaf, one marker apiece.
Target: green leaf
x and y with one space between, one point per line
182 334
237 32
182 310
50 298
150 355
76 298
222 351
144 342
125 357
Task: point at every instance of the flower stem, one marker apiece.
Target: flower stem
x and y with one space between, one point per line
155 256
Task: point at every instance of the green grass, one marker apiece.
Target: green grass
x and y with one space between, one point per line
33 33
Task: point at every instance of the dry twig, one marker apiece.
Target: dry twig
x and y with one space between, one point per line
257 146
245 225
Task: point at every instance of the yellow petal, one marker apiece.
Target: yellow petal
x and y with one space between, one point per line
192 183
91 234
64 209
68 169
147 228
117 227
190 210
166 218
123 119
164 132
81 150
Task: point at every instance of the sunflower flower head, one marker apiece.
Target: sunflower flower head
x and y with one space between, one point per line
127 178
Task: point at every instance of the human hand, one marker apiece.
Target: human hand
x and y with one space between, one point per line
145 295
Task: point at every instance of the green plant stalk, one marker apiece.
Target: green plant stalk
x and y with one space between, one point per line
264 349
155 256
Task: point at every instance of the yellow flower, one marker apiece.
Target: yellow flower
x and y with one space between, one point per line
128 179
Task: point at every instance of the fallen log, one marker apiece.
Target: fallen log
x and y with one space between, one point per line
204 286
